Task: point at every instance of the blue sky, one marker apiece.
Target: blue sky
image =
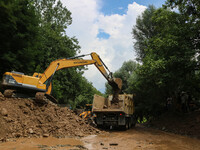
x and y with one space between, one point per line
120 6
102 35
110 7
104 27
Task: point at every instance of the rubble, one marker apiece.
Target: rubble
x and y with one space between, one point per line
21 117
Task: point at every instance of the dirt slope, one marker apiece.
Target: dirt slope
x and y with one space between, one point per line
26 118
184 124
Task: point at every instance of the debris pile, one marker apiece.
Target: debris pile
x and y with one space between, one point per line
21 117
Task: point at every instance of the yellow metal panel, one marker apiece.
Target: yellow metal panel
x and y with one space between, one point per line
30 80
17 77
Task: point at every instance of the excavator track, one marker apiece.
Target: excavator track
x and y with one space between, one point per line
44 98
8 93
51 98
40 97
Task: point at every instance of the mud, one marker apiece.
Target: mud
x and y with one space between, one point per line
49 143
138 138
184 124
21 117
26 124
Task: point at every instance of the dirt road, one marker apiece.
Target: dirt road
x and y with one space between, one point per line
138 138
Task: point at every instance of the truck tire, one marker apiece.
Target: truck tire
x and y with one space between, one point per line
134 121
126 126
129 123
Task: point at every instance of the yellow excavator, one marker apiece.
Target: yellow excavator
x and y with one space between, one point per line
87 113
40 84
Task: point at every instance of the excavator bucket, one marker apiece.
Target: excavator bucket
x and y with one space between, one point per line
118 81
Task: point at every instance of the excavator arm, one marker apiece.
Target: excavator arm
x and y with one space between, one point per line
73 62
41 82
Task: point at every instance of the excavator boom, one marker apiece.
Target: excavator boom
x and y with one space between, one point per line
15 81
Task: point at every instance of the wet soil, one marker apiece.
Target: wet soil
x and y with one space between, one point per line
50 143
179 123
141 138
20 117
26 124
138 138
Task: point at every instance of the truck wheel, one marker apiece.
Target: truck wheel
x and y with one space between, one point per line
134 121
129 124
126 126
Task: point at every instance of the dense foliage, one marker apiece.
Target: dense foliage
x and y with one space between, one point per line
169 58
143 31
19 36
32 35
167 46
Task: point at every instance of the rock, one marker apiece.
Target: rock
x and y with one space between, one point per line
45 135
3 139
4 112
18 135
80 134
8 119
1 95
113 144
101 144
30 130
97 131
28 118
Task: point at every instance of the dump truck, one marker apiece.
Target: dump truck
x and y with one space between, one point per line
109 114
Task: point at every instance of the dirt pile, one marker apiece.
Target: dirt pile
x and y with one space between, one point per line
185 124
26 118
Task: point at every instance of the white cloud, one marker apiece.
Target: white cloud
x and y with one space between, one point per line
87 20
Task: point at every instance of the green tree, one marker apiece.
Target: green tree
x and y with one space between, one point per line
125 72
69 86
169 64
168 51
187 7
55 44
33 34
86 94
143 31
190 9
19 36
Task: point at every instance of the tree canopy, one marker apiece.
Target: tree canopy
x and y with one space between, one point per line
169 63
143 31
19 36
32 35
